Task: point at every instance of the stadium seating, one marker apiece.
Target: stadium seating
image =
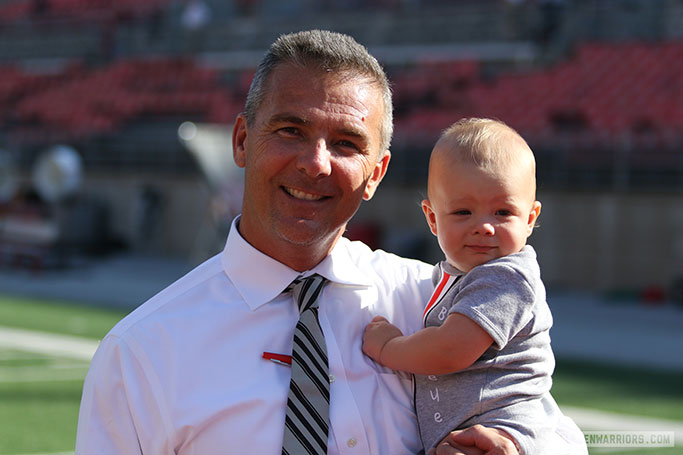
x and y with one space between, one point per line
604 88
79 70
91 102
78 10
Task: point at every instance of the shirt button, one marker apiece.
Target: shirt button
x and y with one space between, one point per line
331 378
351 442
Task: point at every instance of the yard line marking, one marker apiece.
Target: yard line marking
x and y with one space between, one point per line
47 453
42 374
48 343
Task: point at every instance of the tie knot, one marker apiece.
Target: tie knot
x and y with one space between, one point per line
306 291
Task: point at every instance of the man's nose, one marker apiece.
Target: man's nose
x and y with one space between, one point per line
314 160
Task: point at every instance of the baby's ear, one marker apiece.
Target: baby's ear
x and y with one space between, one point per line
429 215
533 216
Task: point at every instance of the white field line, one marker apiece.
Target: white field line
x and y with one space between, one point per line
47 453
593 420
48 343
42 374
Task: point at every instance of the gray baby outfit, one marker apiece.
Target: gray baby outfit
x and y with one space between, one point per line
508 386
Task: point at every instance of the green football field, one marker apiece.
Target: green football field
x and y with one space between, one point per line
40 391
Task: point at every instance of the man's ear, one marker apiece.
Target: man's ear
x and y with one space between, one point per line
239 137
378 174
429 215
533 217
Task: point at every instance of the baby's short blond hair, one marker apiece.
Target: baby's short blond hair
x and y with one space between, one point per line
488 143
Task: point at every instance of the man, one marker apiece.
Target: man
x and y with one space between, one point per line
190 371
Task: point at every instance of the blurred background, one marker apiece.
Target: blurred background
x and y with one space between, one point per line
116 172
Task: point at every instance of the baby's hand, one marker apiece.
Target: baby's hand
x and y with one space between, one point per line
376 336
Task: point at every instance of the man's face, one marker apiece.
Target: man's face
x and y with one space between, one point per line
310 158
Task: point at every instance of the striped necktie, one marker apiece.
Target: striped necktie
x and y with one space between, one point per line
308 404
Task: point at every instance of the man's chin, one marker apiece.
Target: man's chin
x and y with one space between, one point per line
305 232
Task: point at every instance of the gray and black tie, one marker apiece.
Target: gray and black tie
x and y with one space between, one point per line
308 404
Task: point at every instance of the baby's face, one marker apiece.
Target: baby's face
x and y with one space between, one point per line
480 214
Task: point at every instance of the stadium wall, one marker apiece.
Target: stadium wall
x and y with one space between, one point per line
160 214
603 241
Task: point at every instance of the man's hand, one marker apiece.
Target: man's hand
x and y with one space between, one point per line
376 336
476 440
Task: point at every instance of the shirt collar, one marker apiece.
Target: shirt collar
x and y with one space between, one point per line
259 278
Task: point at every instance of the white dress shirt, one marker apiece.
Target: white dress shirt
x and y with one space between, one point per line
184 373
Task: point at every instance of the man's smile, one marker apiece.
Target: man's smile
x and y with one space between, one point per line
303 195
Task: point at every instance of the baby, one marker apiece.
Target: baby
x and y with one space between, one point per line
484 356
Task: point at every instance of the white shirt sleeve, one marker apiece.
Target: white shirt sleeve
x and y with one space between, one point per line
107 423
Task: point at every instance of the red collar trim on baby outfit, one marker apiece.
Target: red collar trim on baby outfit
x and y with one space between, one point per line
444 285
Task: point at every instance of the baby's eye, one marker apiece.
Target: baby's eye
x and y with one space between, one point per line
503 212
462 212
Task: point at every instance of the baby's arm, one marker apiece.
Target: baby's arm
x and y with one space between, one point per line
451 347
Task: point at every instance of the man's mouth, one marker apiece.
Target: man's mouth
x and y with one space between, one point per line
303 195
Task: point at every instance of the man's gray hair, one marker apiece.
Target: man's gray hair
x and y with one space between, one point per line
329 51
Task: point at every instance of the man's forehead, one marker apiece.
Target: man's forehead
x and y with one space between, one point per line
304 93
314 77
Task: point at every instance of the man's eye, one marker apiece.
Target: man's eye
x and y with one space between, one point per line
347 145
289 130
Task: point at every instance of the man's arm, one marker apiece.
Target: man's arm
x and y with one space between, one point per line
107 424
476 440
451 347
